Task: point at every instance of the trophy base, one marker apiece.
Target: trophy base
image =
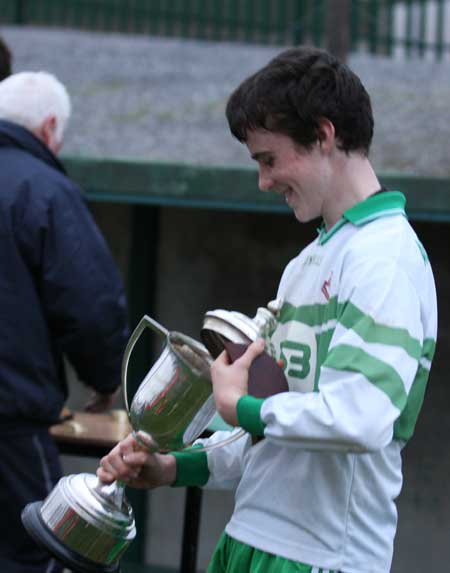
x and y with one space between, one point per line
43 536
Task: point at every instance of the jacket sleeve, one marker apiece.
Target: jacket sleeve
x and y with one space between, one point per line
77 279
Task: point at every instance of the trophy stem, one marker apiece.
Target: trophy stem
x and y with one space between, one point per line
112 493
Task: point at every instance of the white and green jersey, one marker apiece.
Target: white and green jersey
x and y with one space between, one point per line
356 333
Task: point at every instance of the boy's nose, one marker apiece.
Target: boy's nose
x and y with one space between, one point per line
265 183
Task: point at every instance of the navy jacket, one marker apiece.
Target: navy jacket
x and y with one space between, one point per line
60 290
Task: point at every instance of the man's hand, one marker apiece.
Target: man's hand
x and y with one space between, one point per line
230 381
97 402
130 463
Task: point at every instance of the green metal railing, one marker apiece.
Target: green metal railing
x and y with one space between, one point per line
261 21
413 27
225 188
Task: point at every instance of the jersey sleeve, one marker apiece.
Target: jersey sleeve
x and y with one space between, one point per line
374 371
218 468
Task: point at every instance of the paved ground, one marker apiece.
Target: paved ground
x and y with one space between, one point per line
163 99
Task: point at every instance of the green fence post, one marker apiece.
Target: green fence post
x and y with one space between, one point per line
280 20
78 10
422 27
390 26
126 10
234 21
373 25
45 15
216 17
265 28
318 19
107 17
19 12
354 25
186 18
298 26
154 13
337 28
248 20
141 289
440 29
408 39
166 14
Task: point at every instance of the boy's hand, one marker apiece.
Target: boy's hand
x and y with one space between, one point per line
230 381
130 463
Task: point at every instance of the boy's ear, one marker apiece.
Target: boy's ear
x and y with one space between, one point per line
326 133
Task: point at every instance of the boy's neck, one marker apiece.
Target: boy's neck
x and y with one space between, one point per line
353 181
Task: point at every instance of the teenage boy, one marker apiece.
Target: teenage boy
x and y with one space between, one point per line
356 334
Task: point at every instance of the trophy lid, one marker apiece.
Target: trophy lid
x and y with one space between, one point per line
220 326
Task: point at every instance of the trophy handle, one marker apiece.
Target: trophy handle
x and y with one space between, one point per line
145 322
232 438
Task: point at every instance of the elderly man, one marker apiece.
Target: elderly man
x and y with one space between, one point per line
60 295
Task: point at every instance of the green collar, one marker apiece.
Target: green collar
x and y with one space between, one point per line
374 207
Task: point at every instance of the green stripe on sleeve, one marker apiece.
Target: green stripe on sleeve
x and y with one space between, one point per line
351 317
429 347
352 359
249 415
192 467
404 426
370 331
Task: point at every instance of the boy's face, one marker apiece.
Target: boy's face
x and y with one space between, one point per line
301 175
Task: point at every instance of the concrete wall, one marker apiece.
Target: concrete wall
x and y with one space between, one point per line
212 259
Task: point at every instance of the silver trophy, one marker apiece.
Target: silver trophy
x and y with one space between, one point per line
88 525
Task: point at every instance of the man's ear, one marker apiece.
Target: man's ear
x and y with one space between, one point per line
327 134
48 130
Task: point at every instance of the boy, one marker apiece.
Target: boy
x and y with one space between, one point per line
356 335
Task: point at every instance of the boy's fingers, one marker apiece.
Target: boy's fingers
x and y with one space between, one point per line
105 476
135 459
252 352
128 445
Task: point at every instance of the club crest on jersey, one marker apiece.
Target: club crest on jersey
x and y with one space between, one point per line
326 287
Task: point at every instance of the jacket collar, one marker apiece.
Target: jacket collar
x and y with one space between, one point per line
14 135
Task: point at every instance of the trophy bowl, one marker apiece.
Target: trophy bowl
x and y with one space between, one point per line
174 403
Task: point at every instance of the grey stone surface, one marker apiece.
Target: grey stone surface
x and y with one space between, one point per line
163 99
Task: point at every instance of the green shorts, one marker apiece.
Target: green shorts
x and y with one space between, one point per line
231 556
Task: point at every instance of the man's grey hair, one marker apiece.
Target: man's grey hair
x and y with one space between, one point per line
29 98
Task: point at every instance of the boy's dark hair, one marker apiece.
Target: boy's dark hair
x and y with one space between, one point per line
5 60
294 91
